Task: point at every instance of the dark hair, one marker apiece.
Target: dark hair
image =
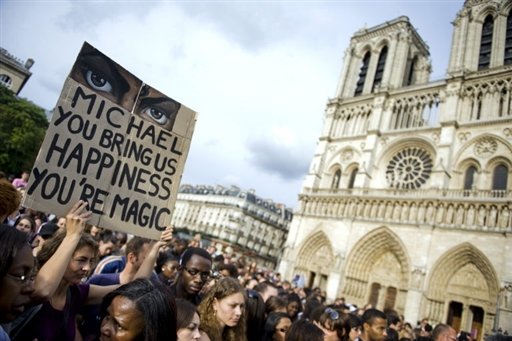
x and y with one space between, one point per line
255 307
52 244
30 220
164 257
261 287
188 253
107 236
354 321
273 303
184 313
334 320
304 330
271 323
154 302
311 307
293 297
11 241
371 314
231 268
392 318
135 245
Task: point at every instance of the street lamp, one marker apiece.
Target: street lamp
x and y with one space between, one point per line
505 287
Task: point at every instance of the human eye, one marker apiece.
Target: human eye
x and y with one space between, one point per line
193 272
157 115
98 81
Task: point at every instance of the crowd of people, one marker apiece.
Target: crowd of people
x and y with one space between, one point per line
62 279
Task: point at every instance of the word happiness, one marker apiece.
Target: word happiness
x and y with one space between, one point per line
96 144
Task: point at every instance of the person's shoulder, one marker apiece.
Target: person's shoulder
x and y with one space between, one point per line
104 279
110 264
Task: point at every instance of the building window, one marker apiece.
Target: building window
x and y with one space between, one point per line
486 43
508 41
500 178
5 81
362 74
380 68
409 71
352 178
336 179
469 178
410 168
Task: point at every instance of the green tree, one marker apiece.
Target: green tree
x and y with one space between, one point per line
22 128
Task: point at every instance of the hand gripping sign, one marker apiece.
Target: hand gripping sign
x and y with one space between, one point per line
115 142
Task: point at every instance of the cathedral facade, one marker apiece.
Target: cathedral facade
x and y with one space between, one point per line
407 203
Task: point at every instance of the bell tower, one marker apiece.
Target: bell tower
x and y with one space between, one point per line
384 57
482 37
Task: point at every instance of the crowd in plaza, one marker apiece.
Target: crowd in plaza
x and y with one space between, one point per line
62 279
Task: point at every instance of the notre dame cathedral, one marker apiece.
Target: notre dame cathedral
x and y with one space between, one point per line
407 203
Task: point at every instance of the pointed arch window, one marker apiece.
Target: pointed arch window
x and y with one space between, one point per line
379 72
469 178
336 179
362 74
508 41
484 58
409 72
500 178
352 178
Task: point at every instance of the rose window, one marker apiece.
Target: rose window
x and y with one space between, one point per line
410 168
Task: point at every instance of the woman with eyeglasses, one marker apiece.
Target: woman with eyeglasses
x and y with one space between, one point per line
65 261
222 312
276 326
332 322
16 274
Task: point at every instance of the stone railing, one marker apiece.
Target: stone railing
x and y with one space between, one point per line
469 210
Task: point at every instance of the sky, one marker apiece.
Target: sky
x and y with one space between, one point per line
259 73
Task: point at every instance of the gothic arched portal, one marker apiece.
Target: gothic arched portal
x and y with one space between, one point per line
462 289
377 271
315 260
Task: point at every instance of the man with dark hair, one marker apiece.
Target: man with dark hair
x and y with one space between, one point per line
443 332
266 290
135 252
228 270
374 325
194 270
394 326
106 244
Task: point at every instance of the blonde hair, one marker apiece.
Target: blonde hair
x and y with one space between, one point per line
225 287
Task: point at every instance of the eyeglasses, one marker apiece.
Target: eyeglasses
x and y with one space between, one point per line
333 314
23 279
194 272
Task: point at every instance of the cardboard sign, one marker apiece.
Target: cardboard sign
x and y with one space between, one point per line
116 143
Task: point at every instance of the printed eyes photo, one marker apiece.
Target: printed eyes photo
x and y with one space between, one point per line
155 107
102 75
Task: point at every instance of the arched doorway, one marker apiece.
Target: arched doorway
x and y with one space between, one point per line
315 260
462 291
377 271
